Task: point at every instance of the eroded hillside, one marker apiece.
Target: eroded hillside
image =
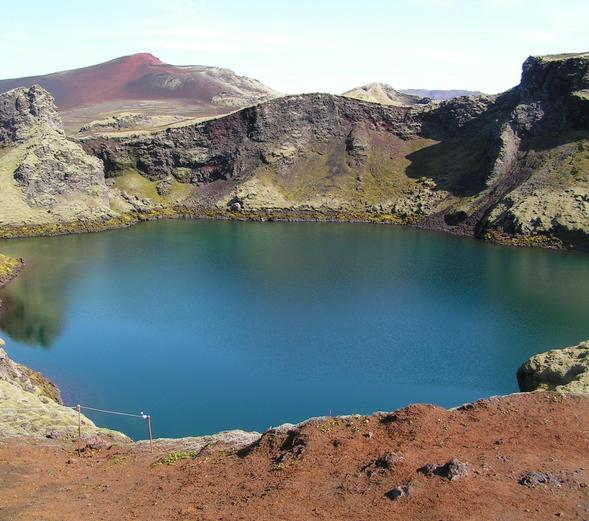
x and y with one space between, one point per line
511 168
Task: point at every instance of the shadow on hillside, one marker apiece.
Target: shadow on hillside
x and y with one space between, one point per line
458 165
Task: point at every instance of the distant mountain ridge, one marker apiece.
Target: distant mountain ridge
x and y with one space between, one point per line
441 94
385 95
144 77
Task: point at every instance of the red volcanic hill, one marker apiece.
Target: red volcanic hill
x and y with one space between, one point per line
144 77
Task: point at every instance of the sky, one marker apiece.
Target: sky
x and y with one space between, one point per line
303 45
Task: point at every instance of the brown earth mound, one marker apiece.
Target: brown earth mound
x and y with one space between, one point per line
517 457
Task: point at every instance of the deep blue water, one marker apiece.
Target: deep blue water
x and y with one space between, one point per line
217 325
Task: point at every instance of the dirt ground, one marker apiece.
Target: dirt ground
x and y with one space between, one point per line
327 469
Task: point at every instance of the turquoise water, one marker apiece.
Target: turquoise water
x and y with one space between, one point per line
217 325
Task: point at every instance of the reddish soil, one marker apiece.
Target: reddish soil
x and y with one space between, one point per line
325 470
128 78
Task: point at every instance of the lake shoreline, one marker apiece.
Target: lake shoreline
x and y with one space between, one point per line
292 216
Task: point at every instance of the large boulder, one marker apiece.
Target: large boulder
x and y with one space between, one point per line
564 370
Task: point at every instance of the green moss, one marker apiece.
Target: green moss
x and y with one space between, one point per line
44 386
328 425
132 182
525 241
178 455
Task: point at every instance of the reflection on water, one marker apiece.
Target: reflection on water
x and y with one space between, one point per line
33 305
30 320
275 322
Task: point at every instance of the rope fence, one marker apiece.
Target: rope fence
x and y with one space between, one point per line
142 415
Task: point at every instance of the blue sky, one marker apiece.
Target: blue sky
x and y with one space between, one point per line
301 46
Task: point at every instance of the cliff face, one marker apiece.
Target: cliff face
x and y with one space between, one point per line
44 177
511 168
547 135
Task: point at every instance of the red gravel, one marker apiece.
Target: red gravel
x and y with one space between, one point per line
328 469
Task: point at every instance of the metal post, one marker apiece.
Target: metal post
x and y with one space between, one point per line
79 421
149 433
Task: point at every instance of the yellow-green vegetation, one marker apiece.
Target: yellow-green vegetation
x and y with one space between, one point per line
554 201
565 370
328 425
63 228
9 268
524 241
43 385
28 414
358 424
332 183
132 182
179 455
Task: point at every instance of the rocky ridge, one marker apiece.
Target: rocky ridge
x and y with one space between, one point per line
511 168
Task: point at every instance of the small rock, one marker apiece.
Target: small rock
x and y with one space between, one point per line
452 470
385 462
398 492
428 470
536 479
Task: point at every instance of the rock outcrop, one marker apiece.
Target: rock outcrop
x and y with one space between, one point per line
565 370
23 110
45 177
31 406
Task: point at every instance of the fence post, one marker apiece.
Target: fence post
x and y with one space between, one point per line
149 433
79 421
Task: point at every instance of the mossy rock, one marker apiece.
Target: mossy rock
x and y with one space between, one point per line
565 370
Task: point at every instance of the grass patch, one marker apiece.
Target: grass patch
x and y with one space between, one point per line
328 425
178 455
